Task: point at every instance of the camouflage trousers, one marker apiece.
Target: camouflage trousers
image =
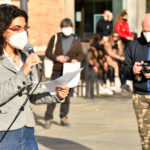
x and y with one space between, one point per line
141 104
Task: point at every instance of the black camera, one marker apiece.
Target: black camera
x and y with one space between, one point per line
146 67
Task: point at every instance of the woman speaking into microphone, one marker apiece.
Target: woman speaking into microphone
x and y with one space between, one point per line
17 74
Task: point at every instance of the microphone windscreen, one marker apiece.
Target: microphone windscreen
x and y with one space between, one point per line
29 48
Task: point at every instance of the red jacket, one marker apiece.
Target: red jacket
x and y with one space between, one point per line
122 27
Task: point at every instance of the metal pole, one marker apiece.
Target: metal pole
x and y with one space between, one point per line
23 5
86 74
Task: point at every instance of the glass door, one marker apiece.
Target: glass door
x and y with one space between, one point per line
87 12
147 6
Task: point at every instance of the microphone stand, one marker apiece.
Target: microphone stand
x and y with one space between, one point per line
22 107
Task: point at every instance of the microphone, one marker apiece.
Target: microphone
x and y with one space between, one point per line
29 48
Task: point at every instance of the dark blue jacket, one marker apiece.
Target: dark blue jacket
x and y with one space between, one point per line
137 51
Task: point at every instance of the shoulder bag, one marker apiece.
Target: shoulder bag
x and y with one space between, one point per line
48 63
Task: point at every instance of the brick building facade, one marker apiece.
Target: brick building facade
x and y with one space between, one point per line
44 20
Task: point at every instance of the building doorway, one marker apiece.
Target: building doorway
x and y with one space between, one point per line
87 12
147 6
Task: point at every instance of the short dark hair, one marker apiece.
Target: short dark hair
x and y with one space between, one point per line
7 14
66 22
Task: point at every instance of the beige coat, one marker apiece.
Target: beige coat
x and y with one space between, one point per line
14 88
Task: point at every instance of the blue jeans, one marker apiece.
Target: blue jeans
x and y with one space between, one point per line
21 139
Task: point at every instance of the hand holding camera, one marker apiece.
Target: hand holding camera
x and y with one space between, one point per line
141 69
137 68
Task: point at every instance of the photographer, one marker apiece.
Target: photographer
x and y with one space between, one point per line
137 52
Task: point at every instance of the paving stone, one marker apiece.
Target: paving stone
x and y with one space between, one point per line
101 123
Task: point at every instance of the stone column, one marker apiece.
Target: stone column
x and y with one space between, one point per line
141 10
132 15
5 1
70 10
136 10
124 4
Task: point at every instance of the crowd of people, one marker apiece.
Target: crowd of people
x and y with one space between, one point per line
106 51
105 57
111 54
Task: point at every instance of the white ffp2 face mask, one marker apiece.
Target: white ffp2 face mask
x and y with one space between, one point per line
67 31
18 40
147 36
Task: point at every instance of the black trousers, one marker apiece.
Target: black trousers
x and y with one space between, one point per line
64 107
91 76
109 75
121 73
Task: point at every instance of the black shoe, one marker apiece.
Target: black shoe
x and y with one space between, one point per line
64 121
126 87
48 124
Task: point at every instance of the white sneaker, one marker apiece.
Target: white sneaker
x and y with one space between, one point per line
108 91
114 89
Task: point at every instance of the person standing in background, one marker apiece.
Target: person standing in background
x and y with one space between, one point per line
104 25
122 27
68 49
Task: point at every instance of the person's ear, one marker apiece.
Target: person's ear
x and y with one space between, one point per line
6 34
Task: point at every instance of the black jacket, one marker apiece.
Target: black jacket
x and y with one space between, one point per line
137 51
103 27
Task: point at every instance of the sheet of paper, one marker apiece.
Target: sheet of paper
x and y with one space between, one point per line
71 67
61 81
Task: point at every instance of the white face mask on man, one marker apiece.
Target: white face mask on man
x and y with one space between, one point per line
67 31
18 40
105 18
147 36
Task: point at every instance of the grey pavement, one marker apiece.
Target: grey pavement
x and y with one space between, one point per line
102 123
